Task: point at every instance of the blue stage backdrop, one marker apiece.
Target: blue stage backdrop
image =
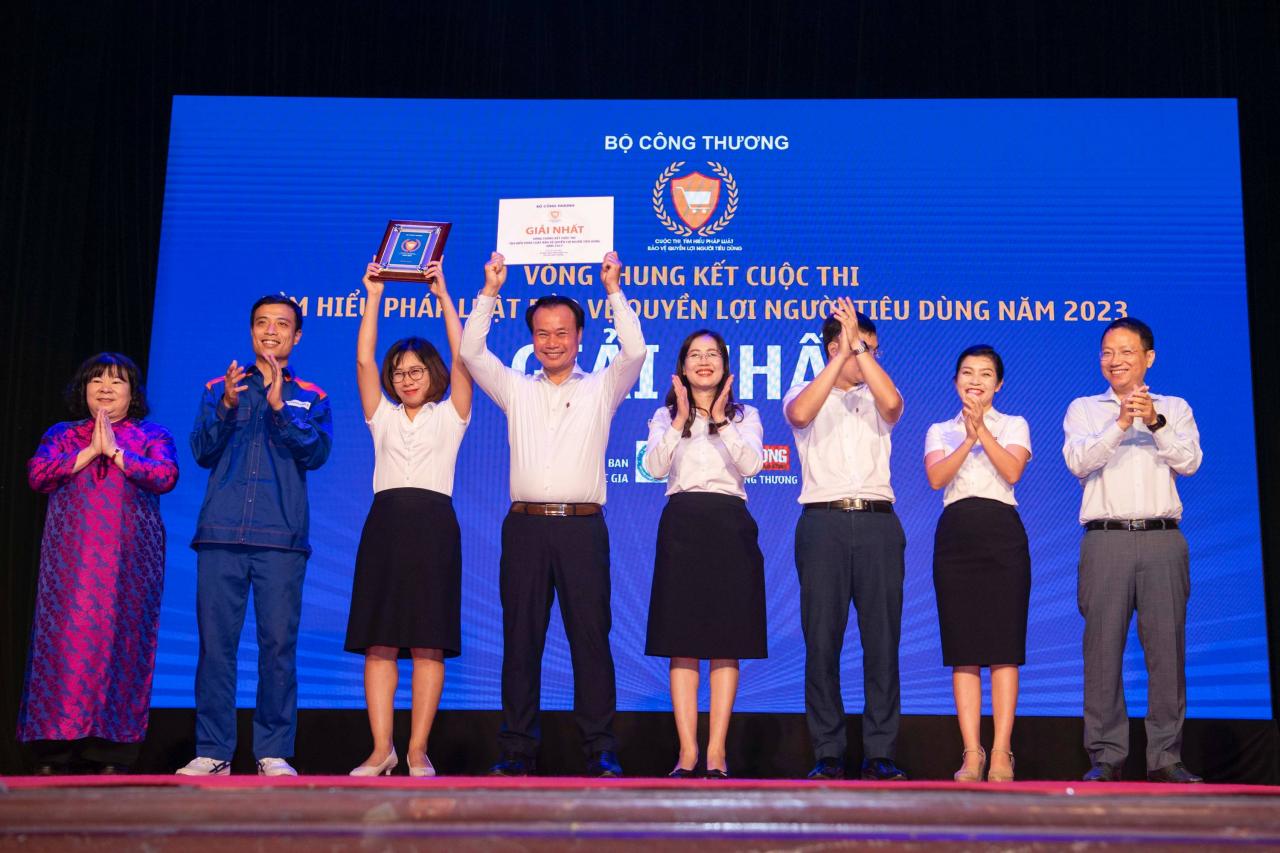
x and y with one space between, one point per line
1024 224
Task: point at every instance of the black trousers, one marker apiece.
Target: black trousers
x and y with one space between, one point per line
845 557
543 557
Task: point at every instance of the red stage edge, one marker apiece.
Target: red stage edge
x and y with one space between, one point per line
166 813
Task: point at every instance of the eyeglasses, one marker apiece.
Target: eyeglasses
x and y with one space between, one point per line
1108 355
414 373
712 355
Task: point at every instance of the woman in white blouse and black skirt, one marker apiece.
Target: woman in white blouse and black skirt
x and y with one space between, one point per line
981 564
708 579
406 597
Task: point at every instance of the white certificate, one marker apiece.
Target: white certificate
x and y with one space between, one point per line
555 230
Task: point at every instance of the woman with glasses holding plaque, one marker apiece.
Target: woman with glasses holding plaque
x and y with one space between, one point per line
406 596
981 564
708 600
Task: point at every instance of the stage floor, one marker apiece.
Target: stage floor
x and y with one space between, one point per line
167 813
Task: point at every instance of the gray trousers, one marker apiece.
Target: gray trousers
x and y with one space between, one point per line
845 557
1122 571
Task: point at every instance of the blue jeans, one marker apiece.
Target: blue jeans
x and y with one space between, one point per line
856 557
224 575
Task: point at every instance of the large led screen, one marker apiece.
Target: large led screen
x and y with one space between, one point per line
1024 224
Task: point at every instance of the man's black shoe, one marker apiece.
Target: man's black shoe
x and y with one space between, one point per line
513 764
827 768
1176 773
604 764
882 770
1103 772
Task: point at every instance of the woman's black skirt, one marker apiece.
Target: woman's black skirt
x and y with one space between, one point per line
982 575
708 581
407 591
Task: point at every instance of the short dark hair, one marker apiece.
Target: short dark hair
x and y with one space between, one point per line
982 351
114 364
1133 324
272 299
831 329
430 358
551 302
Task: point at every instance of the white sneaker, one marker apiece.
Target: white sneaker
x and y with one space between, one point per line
275 767
202 766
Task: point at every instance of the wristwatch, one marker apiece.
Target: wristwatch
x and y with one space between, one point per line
1160 422
862 348
720 424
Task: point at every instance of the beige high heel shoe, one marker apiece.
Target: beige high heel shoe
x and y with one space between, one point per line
1000 776
426 770
382 769
965 775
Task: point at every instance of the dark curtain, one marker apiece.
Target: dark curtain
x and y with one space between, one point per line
86 91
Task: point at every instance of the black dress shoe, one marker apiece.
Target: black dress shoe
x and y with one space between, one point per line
48 770
716 774
882 770
513 764
681 773
827 768
114 770
1103 772
604 764
1176 773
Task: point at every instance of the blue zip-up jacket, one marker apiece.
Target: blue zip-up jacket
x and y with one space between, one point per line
257 492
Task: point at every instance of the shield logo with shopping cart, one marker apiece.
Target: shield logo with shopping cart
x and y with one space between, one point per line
695 197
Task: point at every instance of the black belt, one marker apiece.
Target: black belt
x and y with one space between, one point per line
557 510
853 505
1132 524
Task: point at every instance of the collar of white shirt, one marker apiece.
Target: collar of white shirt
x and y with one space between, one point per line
577 373
1110 396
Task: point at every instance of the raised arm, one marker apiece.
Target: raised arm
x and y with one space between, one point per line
744 438
57 458
459 377
216 419
1178 441
804 407
368 379
155 469
940 466
485 367
1009 461
1084 449
625 368
885 393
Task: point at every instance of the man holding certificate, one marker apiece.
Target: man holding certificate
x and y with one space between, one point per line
554 539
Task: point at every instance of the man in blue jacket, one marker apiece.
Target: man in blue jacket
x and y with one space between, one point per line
260 430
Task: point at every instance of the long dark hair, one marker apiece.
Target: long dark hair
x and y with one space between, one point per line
732 410
111 364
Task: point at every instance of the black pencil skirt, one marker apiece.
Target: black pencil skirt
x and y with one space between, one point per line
708 581
982 576
407 590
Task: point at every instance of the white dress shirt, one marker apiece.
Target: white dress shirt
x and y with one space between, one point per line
844 451
419 453
978 477
558 433
1128 474
704 462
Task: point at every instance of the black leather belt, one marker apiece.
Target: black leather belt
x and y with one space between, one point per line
853 505
557 510
1132 524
